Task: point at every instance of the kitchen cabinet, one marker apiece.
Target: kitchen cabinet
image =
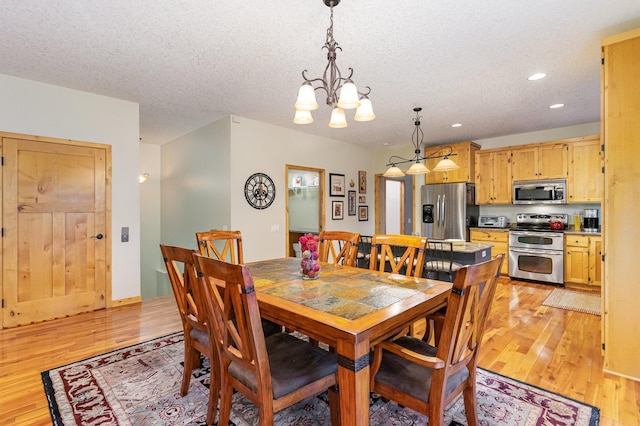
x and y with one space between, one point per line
620 130
463 155
582 259
545 161
493 177
500 240
585 180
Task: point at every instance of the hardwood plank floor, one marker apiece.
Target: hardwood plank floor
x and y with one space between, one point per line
555 349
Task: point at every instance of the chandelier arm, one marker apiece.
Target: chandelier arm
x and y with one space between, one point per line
365 93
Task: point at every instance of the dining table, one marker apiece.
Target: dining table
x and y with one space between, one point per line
350 309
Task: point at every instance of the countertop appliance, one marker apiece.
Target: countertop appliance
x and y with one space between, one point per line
540 192
536 250
448 210
591 221
493 222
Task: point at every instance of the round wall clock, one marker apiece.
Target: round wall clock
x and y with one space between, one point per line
259 191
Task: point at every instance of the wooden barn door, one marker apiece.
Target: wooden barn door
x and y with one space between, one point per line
54 218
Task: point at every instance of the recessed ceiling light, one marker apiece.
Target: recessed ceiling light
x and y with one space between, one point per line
386 144
456 125
554 106
537 76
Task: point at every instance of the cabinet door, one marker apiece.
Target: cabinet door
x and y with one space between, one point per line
553 161
524 164
500 241
595 261
484 177
502 184
576 265
585 177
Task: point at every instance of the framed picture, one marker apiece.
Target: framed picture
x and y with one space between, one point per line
336 185
362 182
363 213
362 199
352 203
337 210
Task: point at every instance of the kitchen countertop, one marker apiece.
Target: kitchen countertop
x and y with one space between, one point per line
467 247
569 230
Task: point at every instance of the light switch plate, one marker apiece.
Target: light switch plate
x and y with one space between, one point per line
124 234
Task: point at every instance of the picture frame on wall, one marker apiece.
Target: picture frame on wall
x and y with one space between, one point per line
362 182
351 207
337 210
336 185
363 213
362 199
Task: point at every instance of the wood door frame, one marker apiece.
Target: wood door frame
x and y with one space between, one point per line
321 198
108 207
380 200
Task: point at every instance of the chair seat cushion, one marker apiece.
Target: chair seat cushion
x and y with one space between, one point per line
200 336
441 265
294 364
409 377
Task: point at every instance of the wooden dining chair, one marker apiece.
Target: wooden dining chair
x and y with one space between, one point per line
425 378
439 261
227 247
182 275
273 372
221 245
364 251
398 254
339 247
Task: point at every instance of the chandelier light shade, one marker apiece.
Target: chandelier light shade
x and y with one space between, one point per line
418 167
342 92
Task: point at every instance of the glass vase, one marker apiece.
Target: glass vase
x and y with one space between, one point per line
309 268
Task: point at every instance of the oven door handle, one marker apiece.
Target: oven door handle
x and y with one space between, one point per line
537 251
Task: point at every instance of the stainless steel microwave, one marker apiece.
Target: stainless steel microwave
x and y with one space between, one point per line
540 192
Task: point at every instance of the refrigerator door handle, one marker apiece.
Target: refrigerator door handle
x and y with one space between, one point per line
438 211
444 216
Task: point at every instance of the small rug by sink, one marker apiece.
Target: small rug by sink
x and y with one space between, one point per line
574 301
140 385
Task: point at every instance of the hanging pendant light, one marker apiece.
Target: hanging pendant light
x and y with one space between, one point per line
332 82
418 167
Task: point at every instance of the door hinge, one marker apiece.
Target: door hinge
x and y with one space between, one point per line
3 303
602 257
602 148
2 161
602 169
602 61
3 232
603 346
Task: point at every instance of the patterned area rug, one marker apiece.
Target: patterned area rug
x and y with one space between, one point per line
140 385
574 301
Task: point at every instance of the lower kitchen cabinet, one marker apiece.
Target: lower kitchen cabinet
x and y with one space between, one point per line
500 241
583 259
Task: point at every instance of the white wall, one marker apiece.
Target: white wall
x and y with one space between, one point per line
150 258
196 173
261 147
39 109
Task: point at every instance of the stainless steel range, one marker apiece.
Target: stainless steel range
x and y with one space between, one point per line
536 250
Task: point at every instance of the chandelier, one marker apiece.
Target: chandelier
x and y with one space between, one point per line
418 167
332 82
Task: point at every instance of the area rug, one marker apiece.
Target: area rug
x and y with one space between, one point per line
574 301
140 385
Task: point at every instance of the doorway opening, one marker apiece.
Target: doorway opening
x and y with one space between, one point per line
305 203
394 205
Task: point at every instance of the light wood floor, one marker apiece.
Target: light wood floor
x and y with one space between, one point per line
555 349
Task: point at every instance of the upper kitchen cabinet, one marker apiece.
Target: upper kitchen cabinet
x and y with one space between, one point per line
462 155
493 176
621 136
584 183
544 161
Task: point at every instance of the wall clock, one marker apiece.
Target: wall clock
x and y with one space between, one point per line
259 191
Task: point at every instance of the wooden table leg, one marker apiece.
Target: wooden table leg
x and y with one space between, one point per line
353 382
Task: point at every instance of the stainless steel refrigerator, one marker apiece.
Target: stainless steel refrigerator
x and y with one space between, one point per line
448 210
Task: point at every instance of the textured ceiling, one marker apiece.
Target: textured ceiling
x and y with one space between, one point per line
190 62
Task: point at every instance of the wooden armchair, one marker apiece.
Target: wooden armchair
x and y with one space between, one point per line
181 269
221 245
339 247
273 372
425 378
398 254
